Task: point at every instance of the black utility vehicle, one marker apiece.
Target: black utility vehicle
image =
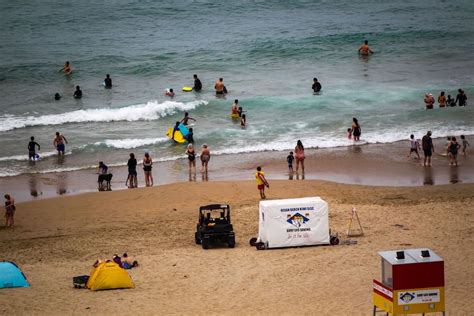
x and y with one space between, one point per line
214 226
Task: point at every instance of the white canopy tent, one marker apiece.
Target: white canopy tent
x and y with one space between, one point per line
293 222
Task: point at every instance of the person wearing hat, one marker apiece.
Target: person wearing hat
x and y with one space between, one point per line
429 101
428 149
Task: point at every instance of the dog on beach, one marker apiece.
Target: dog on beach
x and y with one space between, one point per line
103 182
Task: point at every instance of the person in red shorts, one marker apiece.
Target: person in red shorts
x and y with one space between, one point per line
261 182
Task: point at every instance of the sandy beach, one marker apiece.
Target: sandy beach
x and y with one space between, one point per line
56 239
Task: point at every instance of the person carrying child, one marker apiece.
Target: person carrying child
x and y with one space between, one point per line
261 182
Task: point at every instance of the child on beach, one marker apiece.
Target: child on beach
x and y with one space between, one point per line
290 159
147 166
349 133
453 149
465 143
414 146
9 211
132 180
261 182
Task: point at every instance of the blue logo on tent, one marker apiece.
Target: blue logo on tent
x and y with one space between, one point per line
11 276
297 219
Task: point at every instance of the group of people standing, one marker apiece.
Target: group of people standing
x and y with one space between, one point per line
461 100
452 148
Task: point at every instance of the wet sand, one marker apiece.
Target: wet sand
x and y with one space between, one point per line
375 164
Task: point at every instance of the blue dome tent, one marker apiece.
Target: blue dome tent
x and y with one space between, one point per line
11 276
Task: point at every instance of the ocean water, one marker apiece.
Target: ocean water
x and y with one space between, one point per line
266 51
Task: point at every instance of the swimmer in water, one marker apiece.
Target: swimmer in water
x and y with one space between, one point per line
175 129
108 82
78 93
186 118
240 111
365 49
169 93
316 85
243 121
234 111
66 68
197 83
57 96
58 142
219 86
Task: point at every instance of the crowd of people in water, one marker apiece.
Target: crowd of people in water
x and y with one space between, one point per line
445 102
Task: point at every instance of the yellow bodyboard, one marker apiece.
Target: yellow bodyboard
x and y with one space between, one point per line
178 137
187 89
234 116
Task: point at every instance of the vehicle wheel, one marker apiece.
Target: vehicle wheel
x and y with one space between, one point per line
205 242
334 240
260 246
231 241
253 241
197 239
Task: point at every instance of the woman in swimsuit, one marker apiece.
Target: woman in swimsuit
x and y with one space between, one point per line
147 163
191 157
205 157
356 131
299 155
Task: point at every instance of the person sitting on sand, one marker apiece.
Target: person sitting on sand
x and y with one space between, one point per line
169 93
186 118
67 69
429 101
128 262
365 49
78 93
261 182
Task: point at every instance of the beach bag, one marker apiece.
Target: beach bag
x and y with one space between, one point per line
80 282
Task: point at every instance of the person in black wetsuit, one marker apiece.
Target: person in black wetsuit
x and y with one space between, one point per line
197 83
461 97
78 93
132 180
57 96
32 148
190 136
108 81
316 85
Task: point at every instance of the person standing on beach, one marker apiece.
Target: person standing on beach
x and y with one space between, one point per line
147 165
132 179
429 101
58 143
365 49
205 157
9 211
414 146
316 85
108 82
453 149
289 160
461 98
261 182
299 154
67 69
442 100
197 83
356 130
78 93
191 157
428 148
465 144
32 147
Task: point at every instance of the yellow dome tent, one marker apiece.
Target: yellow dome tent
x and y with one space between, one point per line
107 276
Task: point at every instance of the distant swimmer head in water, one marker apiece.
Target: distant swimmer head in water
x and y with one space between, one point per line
66 68
108 81
57 96
78 93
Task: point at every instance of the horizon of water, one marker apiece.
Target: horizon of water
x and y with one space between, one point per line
267 53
